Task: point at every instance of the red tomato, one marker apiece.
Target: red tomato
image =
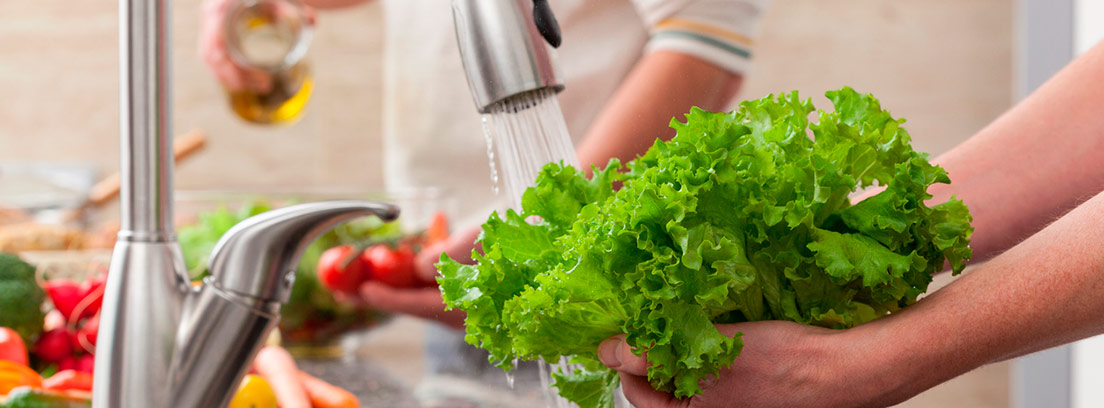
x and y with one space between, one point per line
54 346
341 270
393 267
12 347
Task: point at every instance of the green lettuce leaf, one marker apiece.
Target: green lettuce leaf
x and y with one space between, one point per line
742 216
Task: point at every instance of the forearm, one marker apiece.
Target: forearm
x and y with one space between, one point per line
663 85
1046 291
1037 161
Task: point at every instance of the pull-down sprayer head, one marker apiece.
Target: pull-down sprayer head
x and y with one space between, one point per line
506 47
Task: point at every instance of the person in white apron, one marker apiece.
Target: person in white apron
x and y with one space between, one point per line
629 66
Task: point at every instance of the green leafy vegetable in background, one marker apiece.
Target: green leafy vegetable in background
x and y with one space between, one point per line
20 298
311 314
740 217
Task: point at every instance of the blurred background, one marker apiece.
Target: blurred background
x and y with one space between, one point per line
945 65
948 66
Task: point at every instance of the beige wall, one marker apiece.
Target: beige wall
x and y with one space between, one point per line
943 64
58 67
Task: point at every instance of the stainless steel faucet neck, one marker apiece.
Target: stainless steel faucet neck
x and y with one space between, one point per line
163 343
146 118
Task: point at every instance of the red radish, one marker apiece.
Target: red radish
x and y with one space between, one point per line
65 294
91 296
86 363
68 363
86 336
54 346
54 320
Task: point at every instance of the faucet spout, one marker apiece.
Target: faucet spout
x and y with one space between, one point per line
252 271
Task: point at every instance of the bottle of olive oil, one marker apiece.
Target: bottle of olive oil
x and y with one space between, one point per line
268 41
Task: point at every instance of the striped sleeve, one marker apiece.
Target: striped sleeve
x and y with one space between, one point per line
719 31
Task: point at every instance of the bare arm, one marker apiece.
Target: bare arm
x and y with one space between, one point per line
1038 161
1047 291
1034 163
661 86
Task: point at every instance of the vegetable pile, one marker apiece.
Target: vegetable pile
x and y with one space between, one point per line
740 217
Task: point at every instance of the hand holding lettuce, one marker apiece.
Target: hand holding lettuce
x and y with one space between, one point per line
741 217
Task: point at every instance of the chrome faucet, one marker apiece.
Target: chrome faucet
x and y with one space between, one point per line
164 342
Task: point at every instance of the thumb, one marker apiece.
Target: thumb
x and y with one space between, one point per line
615 353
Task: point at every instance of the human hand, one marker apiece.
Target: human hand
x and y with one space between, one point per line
424 302
458 247
214 52
782 364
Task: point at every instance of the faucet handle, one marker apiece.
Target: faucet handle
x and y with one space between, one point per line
546 23
257 258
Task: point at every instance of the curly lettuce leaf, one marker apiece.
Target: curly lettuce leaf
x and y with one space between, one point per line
742 216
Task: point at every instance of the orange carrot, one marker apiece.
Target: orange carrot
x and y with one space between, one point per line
278 368
325 395
17 375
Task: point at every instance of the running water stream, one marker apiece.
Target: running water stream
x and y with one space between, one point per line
523 134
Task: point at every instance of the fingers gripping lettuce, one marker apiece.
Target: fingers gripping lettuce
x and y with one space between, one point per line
740 217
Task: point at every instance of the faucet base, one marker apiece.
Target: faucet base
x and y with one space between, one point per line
140 314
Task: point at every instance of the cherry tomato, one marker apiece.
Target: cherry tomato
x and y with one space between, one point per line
341 270
12 347
54 346
393 267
